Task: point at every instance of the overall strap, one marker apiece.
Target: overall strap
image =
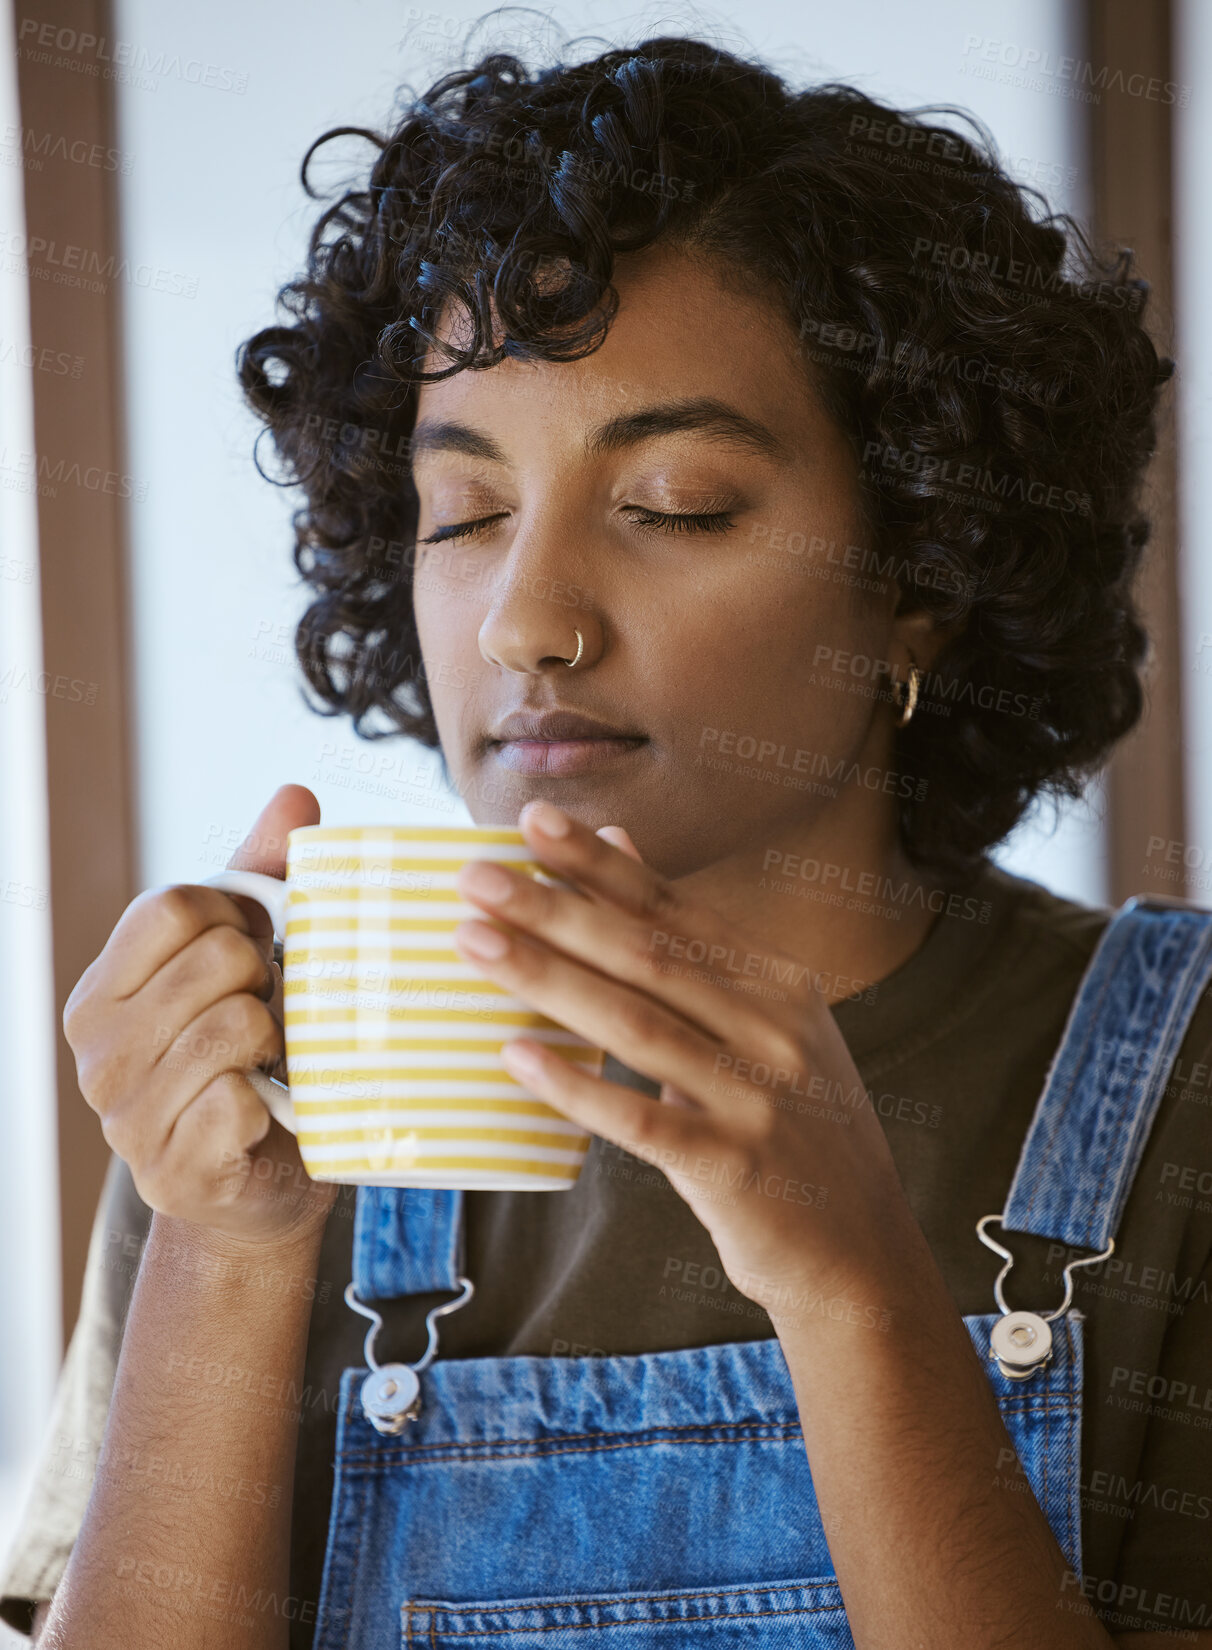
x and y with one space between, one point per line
1107 1078
407 1240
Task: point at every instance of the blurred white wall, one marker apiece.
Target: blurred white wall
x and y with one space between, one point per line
212 196
29 1209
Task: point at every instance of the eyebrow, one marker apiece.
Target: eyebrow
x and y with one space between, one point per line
699 415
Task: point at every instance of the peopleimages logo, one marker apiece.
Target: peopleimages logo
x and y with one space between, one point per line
973 479
82 266
1122 1598
1036 60
38 147
96 54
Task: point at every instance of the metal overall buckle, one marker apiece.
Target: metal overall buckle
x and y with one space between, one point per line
391 1393
1022 1341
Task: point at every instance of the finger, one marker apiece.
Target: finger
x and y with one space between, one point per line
161 921
772 985
222 960
638 1030
685 956
634 1121
598 866
258 922
208 1141
275 999
156 925
264 849
235 1034
273 995
616 835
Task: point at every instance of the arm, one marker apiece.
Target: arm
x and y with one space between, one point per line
185 1538
208 1363
901 1426
904 1438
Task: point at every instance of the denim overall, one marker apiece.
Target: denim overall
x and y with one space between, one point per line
667 1496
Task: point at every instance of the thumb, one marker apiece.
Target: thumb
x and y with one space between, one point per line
618 838
264 848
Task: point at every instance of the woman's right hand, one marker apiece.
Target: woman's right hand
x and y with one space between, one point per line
183 999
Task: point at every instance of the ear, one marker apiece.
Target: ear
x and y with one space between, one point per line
920 636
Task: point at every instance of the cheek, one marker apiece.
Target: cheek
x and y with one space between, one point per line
449 603
793 658
788 623
426 608
449 599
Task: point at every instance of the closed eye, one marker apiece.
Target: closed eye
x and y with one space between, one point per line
702 521
461 529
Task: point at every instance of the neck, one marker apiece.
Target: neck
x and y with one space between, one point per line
841 897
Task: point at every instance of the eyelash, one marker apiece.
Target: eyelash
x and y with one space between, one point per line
703 521
713 521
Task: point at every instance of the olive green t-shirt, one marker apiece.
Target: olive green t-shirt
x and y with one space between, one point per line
953 1048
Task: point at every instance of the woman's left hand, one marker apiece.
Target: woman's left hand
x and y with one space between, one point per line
763 1125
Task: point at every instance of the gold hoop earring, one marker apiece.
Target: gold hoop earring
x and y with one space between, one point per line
571 663
909 703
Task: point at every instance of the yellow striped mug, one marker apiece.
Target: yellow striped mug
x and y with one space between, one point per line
392 1039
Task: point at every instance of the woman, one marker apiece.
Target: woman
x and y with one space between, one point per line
768 433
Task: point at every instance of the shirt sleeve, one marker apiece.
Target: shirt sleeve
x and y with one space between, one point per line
71 1443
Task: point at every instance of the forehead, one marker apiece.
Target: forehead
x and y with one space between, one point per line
683 328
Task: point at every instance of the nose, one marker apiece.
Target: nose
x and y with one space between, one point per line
540 604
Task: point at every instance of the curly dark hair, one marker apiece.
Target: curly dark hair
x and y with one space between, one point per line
990 369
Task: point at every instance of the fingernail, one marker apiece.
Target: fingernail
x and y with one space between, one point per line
522 1060
481 940
549 819
488 881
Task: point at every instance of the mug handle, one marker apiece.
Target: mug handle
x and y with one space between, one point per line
271 893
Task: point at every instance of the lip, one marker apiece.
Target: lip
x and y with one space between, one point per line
548 726
560 758
560 743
